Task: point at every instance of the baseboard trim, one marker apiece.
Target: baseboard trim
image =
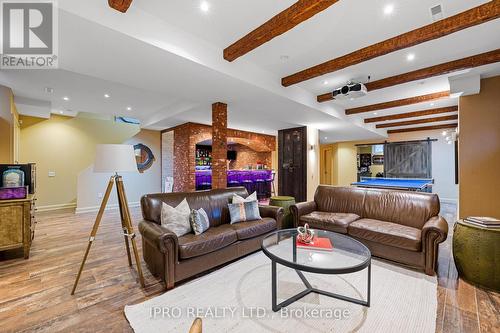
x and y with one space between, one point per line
82 210
448 200
49 208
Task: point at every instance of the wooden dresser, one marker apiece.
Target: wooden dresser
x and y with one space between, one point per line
17 224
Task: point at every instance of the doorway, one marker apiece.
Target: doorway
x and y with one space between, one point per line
292 160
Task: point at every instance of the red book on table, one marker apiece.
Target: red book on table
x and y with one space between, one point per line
319 243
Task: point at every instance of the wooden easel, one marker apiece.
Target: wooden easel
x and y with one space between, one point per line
128 231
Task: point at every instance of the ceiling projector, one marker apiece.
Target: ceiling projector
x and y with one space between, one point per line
350 90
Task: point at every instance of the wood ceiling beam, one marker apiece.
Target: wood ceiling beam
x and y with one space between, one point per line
418 121
299 12
399 102
425 73
412 114
120 5
422 128
477 15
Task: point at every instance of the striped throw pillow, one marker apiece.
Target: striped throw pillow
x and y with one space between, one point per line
199 221
244 211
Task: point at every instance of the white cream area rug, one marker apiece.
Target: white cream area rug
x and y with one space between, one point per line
237 298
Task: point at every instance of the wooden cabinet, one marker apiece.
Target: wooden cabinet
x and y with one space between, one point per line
17 224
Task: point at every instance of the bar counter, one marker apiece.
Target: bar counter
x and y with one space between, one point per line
247 178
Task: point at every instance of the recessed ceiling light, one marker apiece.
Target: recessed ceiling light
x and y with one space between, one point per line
389 9
374 113
352 98
410 57
432 104
107 96
204 6
444 133
326 138
61 112
66 98
129 108
325 82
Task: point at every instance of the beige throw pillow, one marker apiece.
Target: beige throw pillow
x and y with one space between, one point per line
250 198
176 219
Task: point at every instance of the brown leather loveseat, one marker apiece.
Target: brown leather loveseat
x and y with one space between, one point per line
400 226
177 258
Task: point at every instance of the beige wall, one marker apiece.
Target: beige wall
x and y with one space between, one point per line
65 146
6 126
313 161
479 151
91 186
16 130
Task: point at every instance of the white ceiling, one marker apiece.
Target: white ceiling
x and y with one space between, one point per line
164 59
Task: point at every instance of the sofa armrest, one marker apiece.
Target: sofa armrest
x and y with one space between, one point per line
300 209
272 212
434 231
161 238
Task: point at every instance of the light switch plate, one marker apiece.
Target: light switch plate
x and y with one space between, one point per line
52 173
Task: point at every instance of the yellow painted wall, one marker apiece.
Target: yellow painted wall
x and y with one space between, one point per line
6 126
66 146
16 130
313 162
346 163
479 151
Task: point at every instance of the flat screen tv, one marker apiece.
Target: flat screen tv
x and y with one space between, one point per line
231 155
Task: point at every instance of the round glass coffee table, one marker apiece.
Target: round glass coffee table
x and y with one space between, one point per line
347 255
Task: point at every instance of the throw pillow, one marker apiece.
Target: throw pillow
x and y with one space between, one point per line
238 199
244 211
176 219
199 221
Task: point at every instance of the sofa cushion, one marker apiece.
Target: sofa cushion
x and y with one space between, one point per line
387 233
411 209
215 238
337 222
250 229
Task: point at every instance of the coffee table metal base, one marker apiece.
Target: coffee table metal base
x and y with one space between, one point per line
309 289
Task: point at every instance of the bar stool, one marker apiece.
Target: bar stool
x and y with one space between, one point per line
270 189
233 179
205 181
247 181
260 185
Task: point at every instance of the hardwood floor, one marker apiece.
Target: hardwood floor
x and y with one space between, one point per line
35 293
461 306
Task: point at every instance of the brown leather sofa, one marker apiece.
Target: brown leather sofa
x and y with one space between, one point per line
177 258
400 226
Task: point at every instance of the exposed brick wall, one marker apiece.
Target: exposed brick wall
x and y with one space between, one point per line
247 156
187 135
181 158
219 145
167 157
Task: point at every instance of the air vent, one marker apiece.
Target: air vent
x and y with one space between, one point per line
437 13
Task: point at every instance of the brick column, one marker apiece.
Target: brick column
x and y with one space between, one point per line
219 145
